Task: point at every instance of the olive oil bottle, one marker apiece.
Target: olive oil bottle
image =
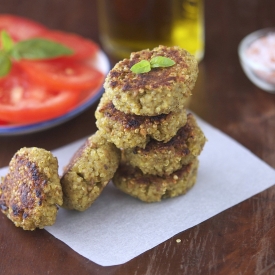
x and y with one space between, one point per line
128 26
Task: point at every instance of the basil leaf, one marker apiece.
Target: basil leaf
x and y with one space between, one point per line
142 66
161 61
5 64
6 41
38 48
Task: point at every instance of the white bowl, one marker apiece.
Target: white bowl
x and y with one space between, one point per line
259 67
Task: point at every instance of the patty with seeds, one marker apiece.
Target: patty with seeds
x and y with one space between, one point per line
128 131
150 188
31 191
156 92
88 172
159 158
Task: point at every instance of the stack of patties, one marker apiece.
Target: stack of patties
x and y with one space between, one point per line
144 115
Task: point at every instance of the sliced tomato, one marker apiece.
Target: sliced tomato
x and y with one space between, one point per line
83 48
40 90
23 101
2 122
62 74
20 28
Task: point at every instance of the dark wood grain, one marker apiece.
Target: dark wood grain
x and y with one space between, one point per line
239 240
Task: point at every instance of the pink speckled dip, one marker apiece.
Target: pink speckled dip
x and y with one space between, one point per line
257 56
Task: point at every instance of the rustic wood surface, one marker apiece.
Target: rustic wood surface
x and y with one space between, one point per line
239 240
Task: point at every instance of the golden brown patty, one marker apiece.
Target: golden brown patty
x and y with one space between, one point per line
160 158
159 91
128 131
89 171
30 192
151 188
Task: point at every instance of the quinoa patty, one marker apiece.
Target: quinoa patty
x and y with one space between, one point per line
151 188
128 131
88 172
159 91
31 190
159 158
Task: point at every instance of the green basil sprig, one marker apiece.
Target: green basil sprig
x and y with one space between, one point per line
144 66
38 48
32 49
161 61
5 64
6 41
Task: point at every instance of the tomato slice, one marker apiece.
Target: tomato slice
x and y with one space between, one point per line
2 122
62 74
20 28
83 48
35 91
23 101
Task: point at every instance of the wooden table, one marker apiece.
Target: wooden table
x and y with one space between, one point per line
239 240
